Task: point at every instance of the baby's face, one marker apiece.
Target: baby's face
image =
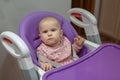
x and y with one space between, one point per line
50 32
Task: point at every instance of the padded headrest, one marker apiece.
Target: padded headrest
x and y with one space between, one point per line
30 32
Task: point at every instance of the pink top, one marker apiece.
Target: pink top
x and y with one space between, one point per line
62 54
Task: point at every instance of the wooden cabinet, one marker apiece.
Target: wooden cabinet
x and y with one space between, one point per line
85 4
109 20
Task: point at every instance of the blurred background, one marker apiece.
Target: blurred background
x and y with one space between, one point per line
107 13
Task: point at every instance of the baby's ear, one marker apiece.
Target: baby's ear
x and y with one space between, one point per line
61 31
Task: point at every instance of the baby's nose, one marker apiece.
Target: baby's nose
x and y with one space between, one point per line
49 33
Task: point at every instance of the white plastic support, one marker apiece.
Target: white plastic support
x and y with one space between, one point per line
18 49
90 18
14 44
88 22
91 45
40 71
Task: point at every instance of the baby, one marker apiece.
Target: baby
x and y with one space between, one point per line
55 46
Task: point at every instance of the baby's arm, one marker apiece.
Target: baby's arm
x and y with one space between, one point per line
78 43
44 65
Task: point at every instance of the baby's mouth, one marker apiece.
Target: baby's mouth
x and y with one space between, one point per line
50 38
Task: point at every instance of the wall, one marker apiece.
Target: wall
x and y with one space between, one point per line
11 13
97 9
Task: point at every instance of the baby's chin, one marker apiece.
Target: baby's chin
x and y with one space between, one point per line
53 44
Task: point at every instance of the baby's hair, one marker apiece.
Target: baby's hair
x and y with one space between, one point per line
49 18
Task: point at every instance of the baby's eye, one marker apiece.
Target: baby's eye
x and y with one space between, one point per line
44 31
53 30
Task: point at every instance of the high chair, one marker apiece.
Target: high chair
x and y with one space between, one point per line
96 62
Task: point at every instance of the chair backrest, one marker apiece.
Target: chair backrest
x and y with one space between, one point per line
28 31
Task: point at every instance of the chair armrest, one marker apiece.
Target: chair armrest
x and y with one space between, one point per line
91 45
39 71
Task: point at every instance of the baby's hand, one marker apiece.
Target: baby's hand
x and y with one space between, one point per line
46 66
79 41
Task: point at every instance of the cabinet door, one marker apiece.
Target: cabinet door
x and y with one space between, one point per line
118 25
85 4
108 20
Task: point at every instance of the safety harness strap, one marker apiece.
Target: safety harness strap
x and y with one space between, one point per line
56 64
44 59
74 54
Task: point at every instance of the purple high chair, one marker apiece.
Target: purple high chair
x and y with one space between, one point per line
100 64
29 31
